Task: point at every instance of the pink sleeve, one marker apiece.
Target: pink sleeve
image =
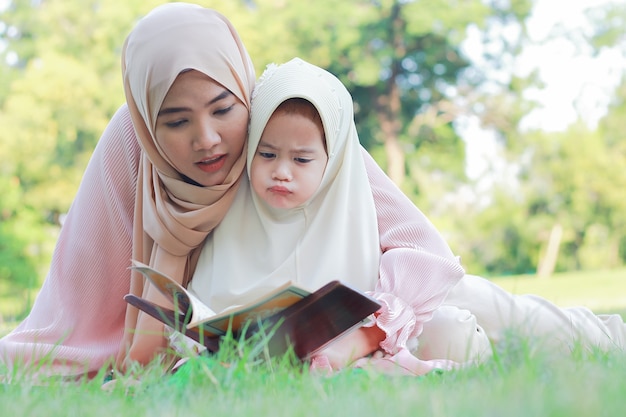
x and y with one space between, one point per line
417 268
78 316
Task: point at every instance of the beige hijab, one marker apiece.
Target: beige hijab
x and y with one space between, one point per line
334 235
172 217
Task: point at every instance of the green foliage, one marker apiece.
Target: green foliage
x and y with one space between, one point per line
493 238
22 239
608 25
55 101
573 178
68 88
16 265
405 65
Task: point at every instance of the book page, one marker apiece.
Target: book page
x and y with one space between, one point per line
268 304
182 299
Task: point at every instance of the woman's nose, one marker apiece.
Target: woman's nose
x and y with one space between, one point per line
206 137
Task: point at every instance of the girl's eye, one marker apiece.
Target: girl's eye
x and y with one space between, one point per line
267 155
303 160
224 110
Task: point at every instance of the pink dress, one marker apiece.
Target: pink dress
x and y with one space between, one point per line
76 323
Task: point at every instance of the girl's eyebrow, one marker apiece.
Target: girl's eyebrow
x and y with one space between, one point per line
170 110
301 151
266 145
294 151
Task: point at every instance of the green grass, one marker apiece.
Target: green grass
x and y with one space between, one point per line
601 291
512 383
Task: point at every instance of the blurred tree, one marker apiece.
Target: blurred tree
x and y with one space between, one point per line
62 84
612 128
565 185
16 247
568 181
578 181
403 62
69 85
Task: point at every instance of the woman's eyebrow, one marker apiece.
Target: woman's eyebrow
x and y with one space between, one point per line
302 149
219 97
170 110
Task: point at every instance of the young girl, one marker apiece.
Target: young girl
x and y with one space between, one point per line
307 214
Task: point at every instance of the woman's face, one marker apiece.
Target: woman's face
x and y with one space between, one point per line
201 127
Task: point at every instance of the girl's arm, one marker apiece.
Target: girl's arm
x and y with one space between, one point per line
417 270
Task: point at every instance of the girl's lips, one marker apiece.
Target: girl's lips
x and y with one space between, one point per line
212 164
277 189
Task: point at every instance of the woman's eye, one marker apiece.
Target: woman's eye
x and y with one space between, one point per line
224 110
176 123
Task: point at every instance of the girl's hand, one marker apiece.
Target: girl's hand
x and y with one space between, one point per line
352 346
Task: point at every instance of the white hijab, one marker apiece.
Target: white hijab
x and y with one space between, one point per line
333 236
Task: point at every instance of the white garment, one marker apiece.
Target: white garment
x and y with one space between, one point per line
537 321
470 344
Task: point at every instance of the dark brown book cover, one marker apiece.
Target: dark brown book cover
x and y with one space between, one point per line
307 325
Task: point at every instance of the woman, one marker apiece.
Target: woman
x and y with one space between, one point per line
139 200
136 200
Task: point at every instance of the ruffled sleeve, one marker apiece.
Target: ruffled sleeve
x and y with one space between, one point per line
417 268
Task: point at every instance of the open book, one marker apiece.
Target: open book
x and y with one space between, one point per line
305 321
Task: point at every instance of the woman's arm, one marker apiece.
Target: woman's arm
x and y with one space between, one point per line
78 316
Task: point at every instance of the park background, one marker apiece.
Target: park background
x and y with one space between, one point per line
451 99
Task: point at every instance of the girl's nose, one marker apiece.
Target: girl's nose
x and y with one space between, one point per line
281 172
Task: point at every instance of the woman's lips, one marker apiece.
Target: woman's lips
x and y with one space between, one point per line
212 164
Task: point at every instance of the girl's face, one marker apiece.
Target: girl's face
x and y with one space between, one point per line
289 162
202 128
